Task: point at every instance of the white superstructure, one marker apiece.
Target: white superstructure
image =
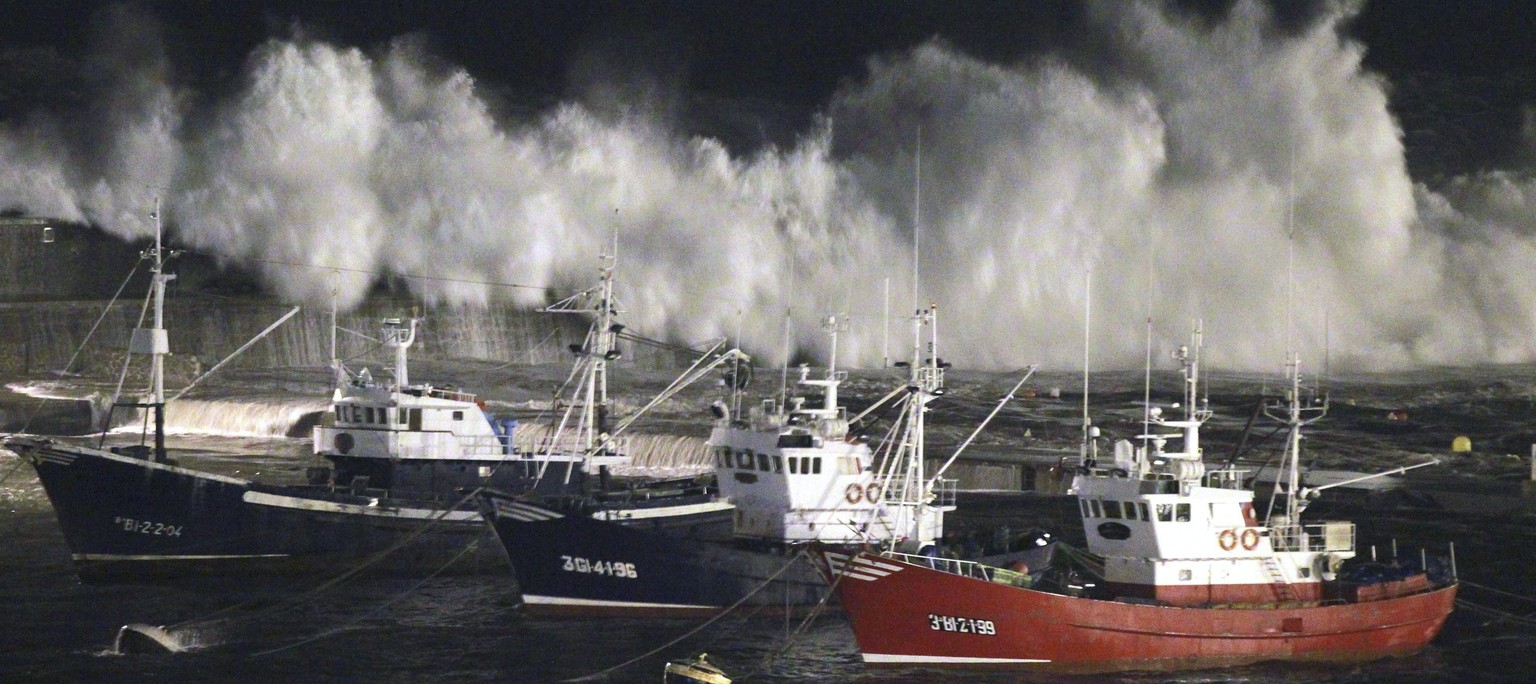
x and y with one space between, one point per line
796 474
1170 530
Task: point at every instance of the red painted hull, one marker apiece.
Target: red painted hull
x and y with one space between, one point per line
904 614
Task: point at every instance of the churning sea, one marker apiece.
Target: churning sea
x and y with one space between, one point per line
469 628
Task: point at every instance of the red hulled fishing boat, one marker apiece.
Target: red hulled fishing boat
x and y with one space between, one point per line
1179 574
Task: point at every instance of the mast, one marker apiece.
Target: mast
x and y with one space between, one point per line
400 336
154 341
1295 415
161 344
927 384
335 360
917 216
885 328
605 344
829 408
788 323
1087 323
1146 390
598 348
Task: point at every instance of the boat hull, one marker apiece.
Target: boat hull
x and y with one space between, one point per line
575 565
904 614
129 518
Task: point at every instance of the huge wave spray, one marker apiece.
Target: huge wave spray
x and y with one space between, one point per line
1180 163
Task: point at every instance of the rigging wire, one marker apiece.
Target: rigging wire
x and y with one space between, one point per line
105 310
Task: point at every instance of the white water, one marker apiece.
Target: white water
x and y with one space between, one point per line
387 161
238 417
269 417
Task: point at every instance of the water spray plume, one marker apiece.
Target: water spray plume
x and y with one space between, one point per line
387 160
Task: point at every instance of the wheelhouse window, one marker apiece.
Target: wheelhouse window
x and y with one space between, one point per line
816 465
762 462
1165 512
1097 512
1143 506
1086 512
744 459
1112 510
1130 510
1181 512
458 415
778 463
794 465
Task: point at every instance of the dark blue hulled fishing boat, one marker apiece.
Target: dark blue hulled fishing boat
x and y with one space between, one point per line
797 476
407 459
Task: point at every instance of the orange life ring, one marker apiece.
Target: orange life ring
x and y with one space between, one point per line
1250 539
1227 539
872 492
854 493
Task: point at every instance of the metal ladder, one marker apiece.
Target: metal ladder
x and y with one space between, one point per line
1277 579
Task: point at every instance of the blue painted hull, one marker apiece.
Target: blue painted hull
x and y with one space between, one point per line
575 565
129 518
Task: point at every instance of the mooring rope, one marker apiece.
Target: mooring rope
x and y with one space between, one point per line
1496 615
1494 590
691 632
19 462
343 577
794 636
373 611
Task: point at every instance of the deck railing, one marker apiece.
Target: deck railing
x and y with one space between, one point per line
963 568
1326 536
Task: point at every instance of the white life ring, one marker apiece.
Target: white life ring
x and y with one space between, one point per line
1227 539
1250 539
854 493
872 492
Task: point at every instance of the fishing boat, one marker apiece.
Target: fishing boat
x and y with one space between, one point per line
797 475
403 455
132 512
1179 574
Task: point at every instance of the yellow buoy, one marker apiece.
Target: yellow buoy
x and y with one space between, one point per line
1461 444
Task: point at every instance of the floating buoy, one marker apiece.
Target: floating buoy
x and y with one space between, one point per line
141 638
696 671
1461 444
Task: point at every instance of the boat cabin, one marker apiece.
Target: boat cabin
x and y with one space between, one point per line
420 438
1173 532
